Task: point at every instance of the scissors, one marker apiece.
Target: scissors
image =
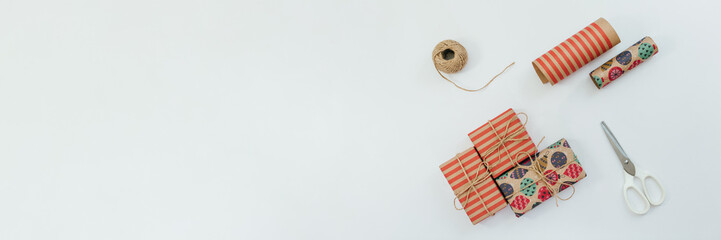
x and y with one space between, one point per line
631 173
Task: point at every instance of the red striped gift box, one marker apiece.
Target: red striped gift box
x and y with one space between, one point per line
500 140
576 51
474 189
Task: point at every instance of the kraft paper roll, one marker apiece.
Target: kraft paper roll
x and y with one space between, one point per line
624 62
576 51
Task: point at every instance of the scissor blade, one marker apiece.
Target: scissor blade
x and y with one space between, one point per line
625 161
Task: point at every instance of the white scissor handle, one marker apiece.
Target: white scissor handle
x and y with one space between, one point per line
645 175
629 185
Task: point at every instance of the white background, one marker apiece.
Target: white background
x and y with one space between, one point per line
326 119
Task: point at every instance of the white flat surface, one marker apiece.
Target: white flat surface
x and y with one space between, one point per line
326 119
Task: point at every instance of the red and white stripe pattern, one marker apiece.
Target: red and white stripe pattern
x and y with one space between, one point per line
576 51
500 159
485 192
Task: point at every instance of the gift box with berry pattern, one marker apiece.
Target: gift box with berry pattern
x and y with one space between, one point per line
524 188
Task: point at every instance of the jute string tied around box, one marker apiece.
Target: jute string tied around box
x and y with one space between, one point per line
450 56
504 138
479 177
544 178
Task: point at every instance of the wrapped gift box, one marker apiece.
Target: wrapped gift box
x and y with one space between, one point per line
500 140
475 189
525 189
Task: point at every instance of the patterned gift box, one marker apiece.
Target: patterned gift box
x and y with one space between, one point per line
524 188
500 140
472 185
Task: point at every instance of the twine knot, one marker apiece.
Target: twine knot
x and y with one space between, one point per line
471 186
503 138
478 177
545 178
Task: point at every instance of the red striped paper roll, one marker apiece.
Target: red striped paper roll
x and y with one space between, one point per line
473 202
501 159
576 51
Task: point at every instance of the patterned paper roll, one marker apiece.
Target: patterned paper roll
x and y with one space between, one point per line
576 51
623 62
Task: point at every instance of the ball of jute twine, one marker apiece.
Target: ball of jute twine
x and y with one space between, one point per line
450 56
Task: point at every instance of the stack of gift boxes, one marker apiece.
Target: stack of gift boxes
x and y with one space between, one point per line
504 168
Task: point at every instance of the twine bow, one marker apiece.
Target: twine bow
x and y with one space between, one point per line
504 138
478 178
471 186
536 167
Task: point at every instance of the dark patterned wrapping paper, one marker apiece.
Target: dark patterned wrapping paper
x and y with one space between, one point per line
624 62
523 187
